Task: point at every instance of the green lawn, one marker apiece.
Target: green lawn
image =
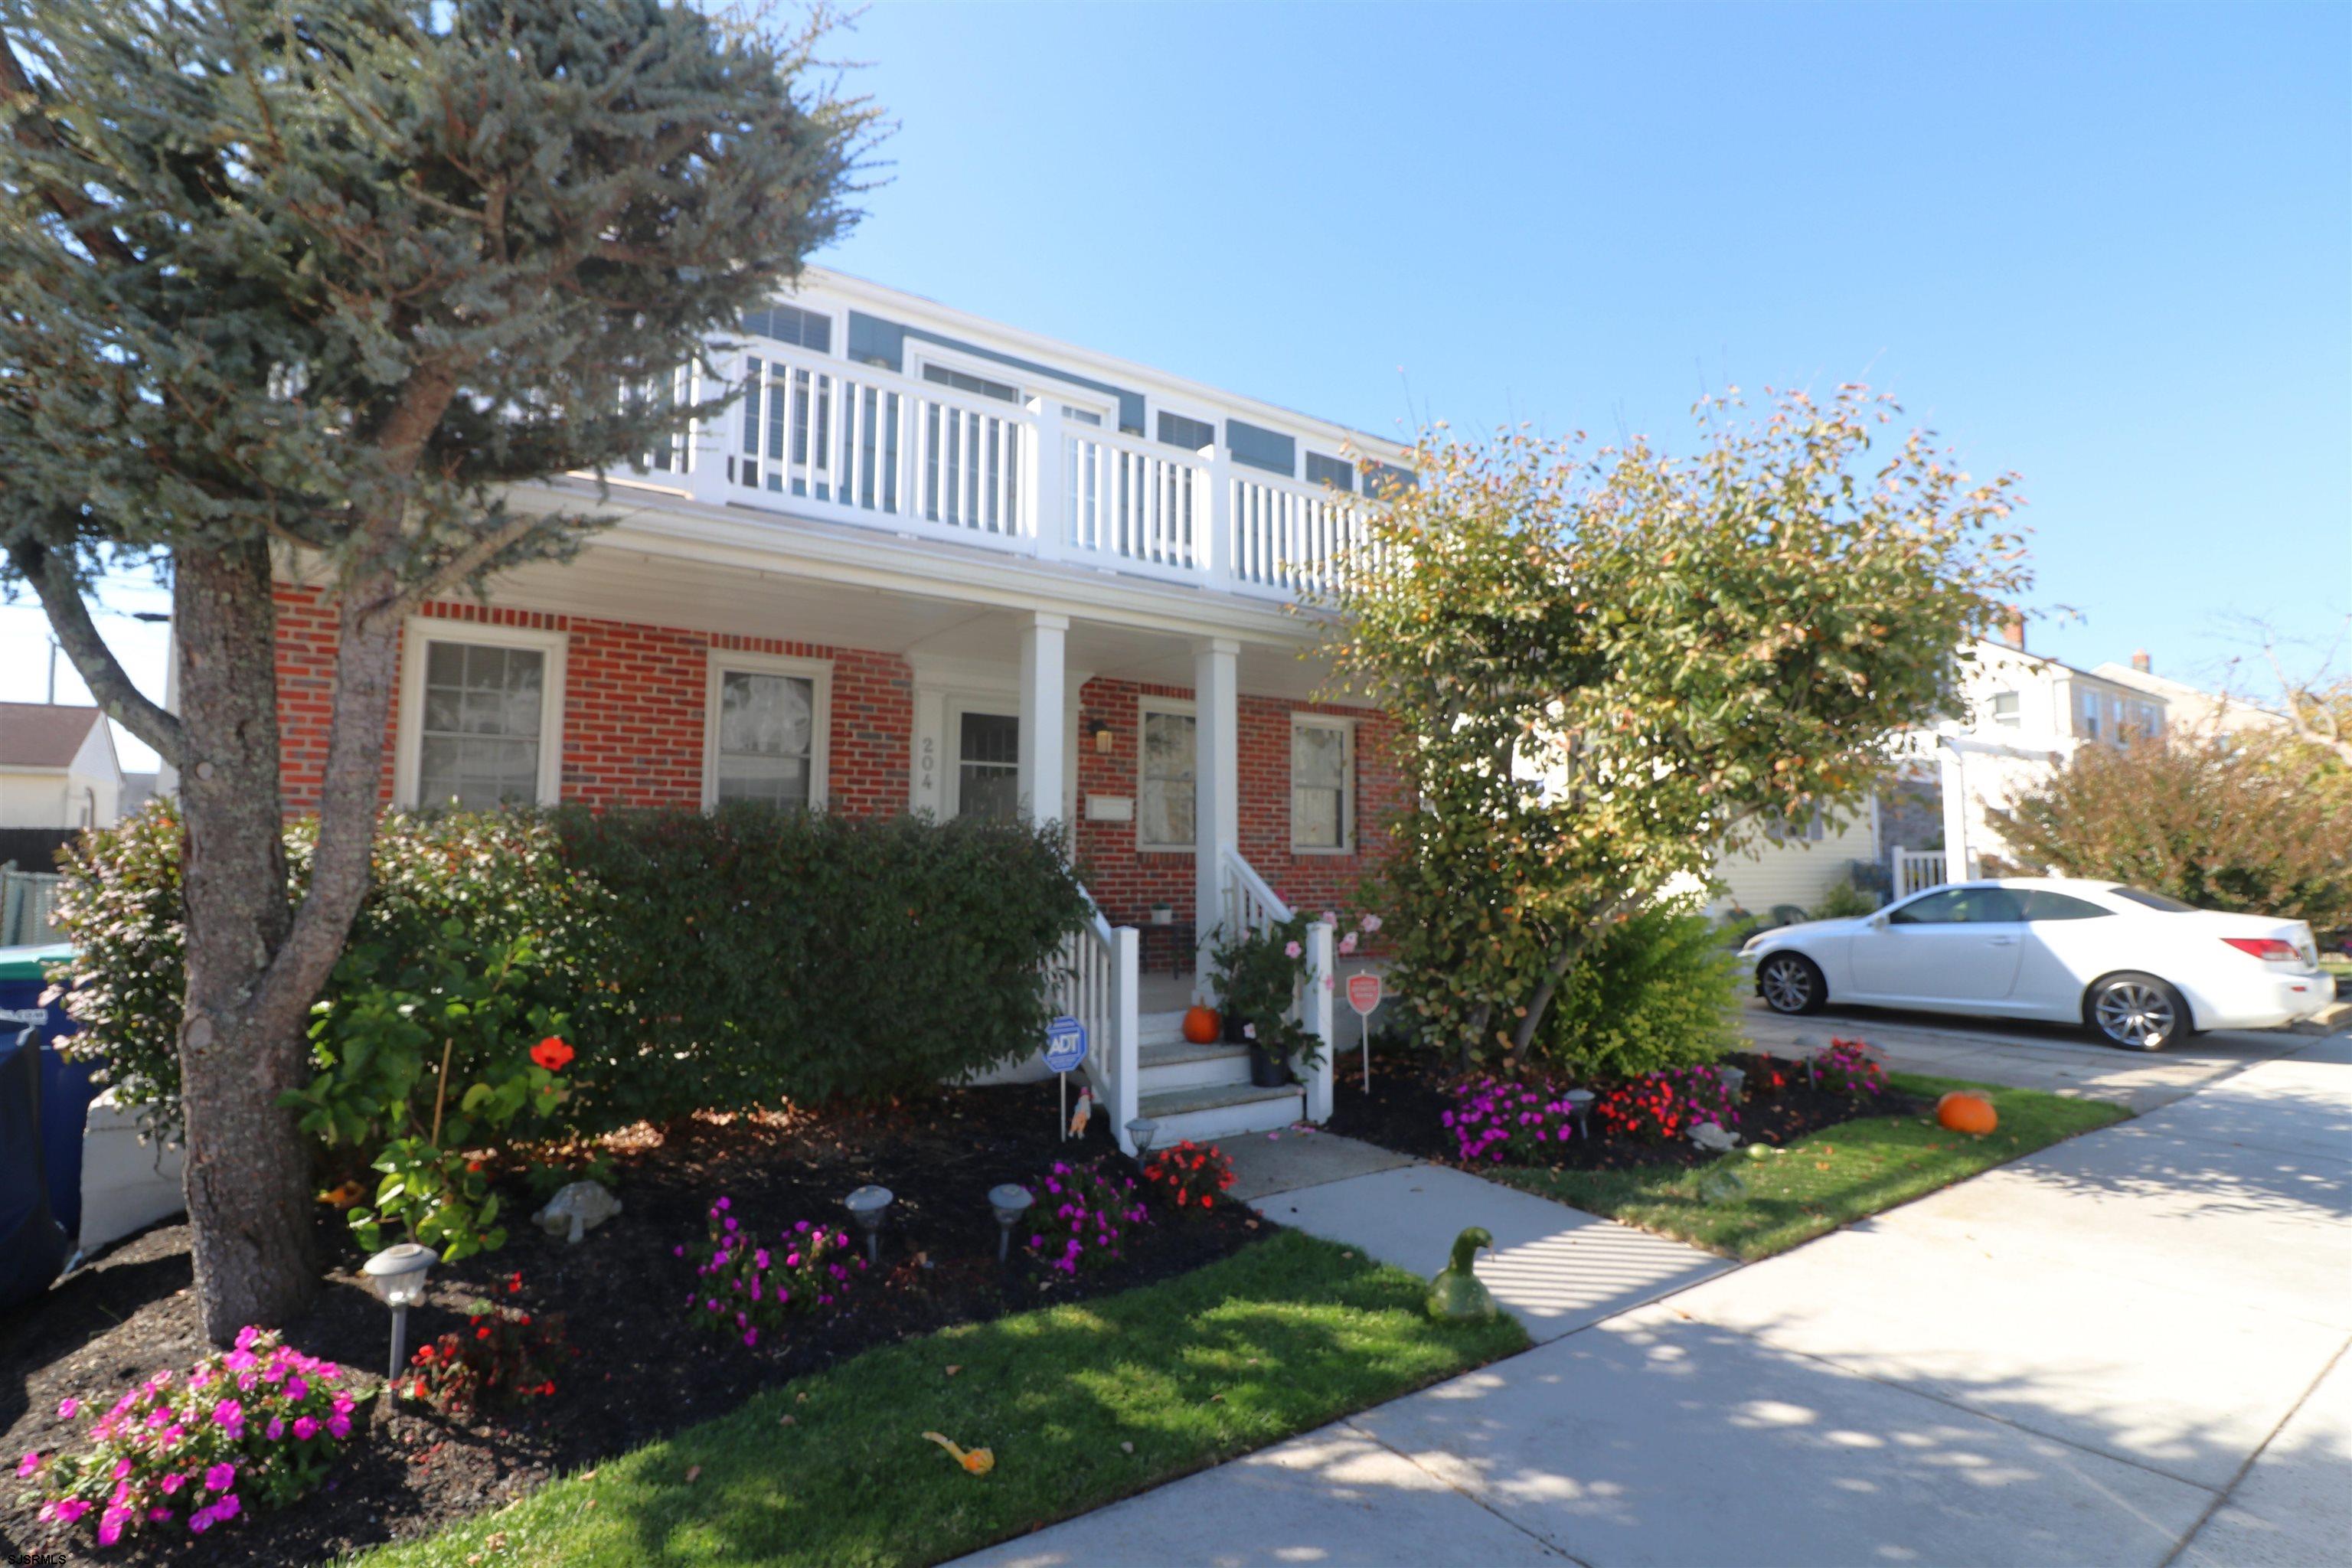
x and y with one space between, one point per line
1825 1180
1283 1336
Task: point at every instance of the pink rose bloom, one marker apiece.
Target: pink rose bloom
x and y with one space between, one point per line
305 1428
68 1409
220 1478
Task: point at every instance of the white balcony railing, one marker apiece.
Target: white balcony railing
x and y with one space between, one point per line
824 438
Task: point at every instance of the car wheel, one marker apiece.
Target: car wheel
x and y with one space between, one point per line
1790 982
2137 1012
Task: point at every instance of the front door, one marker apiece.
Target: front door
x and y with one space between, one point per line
1954 945
988 766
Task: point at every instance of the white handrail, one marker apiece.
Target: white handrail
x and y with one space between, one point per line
1097 983
1252 904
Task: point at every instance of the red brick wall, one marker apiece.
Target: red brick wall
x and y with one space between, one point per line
1126 883
632 736
633 707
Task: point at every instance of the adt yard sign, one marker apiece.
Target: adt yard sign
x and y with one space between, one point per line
1065 1044
1363 995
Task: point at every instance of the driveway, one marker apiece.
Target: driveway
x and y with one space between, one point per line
2129 1348
2053 1057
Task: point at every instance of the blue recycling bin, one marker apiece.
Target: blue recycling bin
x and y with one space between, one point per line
66 1086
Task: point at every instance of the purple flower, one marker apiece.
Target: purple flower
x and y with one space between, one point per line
296 1389
68 1409
173 1482
305 1428
200 1521
109 1525
276 1429
69 1509
338 1427
222 1476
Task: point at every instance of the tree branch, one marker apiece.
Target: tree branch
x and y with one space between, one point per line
33 129
60 596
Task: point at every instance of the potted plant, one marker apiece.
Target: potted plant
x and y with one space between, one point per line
1257 974
1163 914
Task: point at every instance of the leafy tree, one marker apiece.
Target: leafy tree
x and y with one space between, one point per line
312 283
2259 822
1609 662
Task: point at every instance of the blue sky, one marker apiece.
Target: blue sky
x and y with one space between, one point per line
2109 247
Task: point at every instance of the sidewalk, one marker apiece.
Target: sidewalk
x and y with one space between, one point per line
2128 1348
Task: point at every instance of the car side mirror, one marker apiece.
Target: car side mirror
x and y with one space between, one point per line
1878 922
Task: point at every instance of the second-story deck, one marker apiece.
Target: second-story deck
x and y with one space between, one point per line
861 405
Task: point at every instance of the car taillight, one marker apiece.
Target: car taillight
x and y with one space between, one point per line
2269 949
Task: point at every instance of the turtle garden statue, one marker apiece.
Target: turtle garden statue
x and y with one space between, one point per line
579 1207
1457 1295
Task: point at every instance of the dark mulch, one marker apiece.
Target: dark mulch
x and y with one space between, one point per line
1410 1094
641 1373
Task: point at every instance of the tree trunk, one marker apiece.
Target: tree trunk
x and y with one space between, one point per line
247 1169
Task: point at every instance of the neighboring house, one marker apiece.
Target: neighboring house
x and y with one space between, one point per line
57 767
137 789
2190 709
932 562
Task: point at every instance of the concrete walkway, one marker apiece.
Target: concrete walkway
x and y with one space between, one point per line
2129 1349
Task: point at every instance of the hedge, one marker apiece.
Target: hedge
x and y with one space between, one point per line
731 959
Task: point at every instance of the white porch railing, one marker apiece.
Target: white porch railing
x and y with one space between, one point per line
1096 984
1915 870
1251 904
830 439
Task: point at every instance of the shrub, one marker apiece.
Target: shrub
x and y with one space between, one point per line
1843 900
742 957
1190 1175
2250 822
1085 1212
1658 991
1848 1067
742 1285
504 1355
257 1424
1667 1104
1495 1119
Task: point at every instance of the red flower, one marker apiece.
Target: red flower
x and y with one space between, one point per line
552 1054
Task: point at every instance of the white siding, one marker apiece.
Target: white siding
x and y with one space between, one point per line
1795 872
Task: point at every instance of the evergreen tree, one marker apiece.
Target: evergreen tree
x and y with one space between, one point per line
310 285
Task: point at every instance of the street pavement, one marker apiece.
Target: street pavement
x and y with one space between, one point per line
2129 1348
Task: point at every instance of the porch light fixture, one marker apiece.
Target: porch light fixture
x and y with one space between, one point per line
866 1205
1143 1132
1580 1105
397 1277
1010 1201
1100 730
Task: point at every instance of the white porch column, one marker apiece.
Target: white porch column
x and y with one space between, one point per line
1217 780
1045 750
1953 783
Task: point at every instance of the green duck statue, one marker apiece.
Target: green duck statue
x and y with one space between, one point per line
1457 1295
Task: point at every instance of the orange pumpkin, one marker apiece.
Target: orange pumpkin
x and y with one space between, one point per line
1202 1025
1964 1112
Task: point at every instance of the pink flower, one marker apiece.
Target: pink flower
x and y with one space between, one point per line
1348 943
246 1336
1249 1031
68 1409
1291 950
220 1478
1371 922
338 1427
227 1507
305 1428
228 1416
110 1526
173 1482
69 1509
28 1465
159 1515
200 1521
122 1466
750 1336
1330 917
296 1389
276 1429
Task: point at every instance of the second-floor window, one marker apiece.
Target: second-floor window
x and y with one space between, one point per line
964 381
2086 714
1337 472
2005 709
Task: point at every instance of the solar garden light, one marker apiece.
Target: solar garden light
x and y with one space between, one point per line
1580 1105
1143 1132
1010 1201
1734 1080
397 1276
866 1205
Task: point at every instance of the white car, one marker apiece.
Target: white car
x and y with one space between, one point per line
2141 969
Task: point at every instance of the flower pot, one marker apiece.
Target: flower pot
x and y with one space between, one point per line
1267 1069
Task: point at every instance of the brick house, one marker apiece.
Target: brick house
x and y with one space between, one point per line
931 563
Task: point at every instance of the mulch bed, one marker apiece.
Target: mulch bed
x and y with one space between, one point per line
642 1371
1410 1094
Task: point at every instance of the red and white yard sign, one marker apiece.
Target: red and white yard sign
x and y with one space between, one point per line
1363 995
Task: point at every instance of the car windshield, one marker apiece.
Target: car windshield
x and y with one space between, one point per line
2164 901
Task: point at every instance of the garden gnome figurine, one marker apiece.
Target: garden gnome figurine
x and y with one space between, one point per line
1083 1114
1457 1295
578 1208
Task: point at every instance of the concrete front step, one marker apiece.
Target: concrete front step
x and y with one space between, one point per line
1159 1028
1222 1111
1182 1065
